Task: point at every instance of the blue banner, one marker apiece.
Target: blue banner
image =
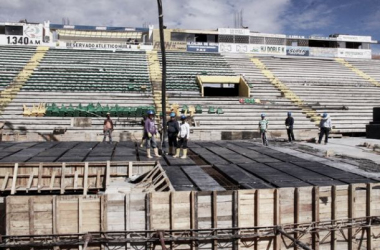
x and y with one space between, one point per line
297 51
203 47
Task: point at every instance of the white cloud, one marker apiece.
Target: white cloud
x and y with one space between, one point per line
265 16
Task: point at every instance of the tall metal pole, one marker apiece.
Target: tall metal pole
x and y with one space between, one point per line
163 55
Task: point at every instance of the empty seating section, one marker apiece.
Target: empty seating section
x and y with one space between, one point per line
328 86
91 70
370 67
183 67
13 60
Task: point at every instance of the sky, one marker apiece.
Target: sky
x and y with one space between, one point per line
291 17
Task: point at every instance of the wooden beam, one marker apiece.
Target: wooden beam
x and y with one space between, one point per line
14 179
130 168
192 217
30 181
277 239
63 170
52 181
85 179
31 216
5 182
235 216
256 214
351 214
98 181
76 180
40 173
80 214
315 212
55 215
368 214
108 174
214 217
333 216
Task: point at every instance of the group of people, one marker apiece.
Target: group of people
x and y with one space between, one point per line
179 132
325 126
178 135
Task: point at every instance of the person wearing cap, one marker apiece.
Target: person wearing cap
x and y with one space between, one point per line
263 127
325 126
173 130
108 128
183 137
151 132
289 122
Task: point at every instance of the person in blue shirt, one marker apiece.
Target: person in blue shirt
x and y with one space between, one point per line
263 127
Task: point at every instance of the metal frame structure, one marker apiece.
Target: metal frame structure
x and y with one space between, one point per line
219 237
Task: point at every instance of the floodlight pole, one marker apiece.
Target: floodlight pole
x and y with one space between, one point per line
163 56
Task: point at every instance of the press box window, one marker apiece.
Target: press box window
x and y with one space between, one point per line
14 30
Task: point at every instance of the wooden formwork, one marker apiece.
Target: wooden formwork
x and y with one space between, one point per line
289 208
65 177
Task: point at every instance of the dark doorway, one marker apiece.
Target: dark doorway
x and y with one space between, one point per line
221 89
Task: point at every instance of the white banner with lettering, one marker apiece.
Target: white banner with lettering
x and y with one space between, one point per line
252 48
349 38
238 32
355 53
101 46
32 35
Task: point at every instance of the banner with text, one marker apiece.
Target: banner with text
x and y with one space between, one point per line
31 34
323 52
171 46
297 51
234 32
252 48
101 46
355 53
203 47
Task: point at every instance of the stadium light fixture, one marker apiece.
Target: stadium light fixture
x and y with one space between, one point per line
163 58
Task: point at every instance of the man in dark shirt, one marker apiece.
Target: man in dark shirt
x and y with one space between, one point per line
289 122
173 130
108 128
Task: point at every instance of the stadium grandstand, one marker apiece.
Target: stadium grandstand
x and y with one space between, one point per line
59 80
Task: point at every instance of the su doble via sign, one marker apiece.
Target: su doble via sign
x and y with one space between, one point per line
297 51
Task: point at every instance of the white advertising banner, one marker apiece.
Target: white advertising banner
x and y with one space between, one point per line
31 35
252 48
355 53
349 38
228 31
268 35
323 52
102 46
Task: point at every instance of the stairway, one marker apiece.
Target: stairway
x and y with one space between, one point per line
358 71
8 94
286 92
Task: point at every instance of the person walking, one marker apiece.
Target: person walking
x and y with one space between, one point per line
151 132
173 130
325 126
183 137
289 122
108 128
263 127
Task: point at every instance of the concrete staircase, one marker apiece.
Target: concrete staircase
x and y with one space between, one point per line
9 93
358 71
286 92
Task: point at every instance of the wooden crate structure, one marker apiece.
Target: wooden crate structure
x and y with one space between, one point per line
204 210
66 177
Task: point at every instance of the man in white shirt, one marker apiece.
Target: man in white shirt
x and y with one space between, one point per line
183 137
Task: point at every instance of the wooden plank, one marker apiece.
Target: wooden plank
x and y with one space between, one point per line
40 173
315 213
31 215
30 181
63 170
14 179
98 180
85 179
333 215
4 186
130 168
80 214
214 217
52 181
368 214
256 213
76 180
108 174
235 217
296 211
193 217
351 214
277 239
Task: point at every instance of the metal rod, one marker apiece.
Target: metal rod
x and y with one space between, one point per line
163 86
295 241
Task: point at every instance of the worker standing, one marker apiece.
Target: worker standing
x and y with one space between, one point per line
325 126
263 127
173 130
151 132
183 137
289 122
108 128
